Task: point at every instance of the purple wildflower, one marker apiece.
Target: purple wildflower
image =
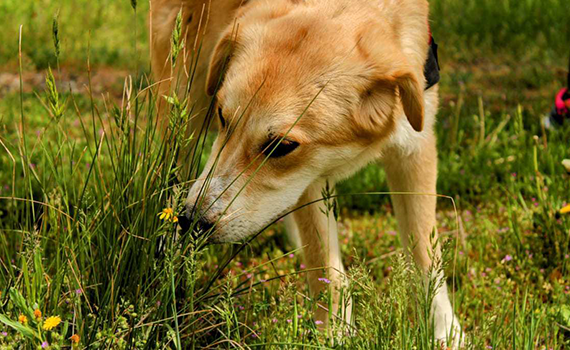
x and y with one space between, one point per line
45 344
302 266
507 258
318 322
324 280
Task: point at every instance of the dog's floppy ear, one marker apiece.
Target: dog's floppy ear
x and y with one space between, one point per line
391 75
411 95
221 57
380 98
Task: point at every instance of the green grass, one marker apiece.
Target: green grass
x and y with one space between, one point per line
80 237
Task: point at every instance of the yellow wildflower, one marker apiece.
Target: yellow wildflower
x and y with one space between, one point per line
166 214
75 339
51 322
565 210
37 314
22 319
175 219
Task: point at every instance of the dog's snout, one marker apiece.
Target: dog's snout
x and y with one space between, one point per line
188 221
184 222
204 226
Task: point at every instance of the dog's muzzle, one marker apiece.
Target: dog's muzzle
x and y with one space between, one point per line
198 227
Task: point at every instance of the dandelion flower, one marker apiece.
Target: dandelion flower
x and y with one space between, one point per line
51 322
167 214
37 314
22 319
565 210
75 339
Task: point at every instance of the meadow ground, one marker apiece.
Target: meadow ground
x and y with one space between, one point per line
84 174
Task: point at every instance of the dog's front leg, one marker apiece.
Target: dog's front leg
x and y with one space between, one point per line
317 230
416 172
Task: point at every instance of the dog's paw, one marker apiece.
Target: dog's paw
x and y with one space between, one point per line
449 334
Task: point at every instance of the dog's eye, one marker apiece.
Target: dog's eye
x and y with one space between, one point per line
222 120
274 150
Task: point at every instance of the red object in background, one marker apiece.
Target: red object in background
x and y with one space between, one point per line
562 102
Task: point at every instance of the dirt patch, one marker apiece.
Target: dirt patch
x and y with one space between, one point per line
103 80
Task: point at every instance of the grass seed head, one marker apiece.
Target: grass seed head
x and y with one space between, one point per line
55 34
177 42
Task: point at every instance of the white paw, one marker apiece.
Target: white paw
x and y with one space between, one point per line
448 332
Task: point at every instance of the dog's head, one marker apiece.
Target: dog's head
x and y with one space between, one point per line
301 94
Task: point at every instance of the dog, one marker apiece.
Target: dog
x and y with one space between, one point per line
306 94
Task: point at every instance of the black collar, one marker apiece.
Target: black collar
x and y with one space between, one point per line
431 68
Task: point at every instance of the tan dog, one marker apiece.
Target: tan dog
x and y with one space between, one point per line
358 67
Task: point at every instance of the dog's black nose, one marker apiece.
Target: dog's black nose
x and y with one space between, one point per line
184 222
202 226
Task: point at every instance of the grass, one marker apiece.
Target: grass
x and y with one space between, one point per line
84 176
